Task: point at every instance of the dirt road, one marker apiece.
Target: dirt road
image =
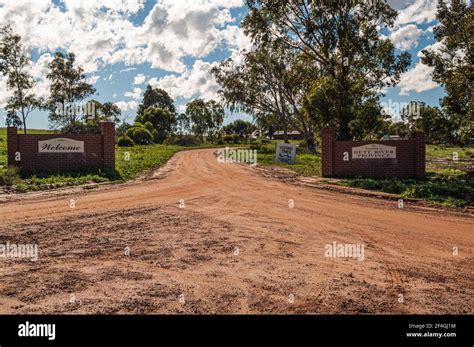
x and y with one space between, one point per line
206 237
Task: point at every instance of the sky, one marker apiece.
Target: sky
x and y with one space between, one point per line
123 45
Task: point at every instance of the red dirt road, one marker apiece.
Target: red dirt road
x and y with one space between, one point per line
234 247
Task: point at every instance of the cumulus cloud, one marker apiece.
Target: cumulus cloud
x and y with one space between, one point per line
101 32
127 105
139 79
136 94
417 79
195 82
406 37
417 11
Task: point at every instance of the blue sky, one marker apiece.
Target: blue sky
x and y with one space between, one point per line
173 44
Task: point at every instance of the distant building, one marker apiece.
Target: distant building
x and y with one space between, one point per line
292 135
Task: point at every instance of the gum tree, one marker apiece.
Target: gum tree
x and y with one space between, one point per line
453 64
340 40
14 65
68 87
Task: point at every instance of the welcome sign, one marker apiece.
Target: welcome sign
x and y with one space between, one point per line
61 145
374 151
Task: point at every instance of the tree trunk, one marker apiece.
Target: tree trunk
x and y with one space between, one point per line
310 142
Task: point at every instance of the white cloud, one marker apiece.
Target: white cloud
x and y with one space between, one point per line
93 79
418 11
406 37
417 79
136 94
101 32
196 82
127 105
139 79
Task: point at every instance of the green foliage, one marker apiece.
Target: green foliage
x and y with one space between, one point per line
9 176
339 50
183 140
447 189
15 66
142 159
228 139
159 122
156 98
139 135
453 65
236 138
183 123
207 117
429 120
243 128
125 141
69 87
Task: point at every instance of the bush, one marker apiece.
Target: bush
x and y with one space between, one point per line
228 139
139 135
302 147
183 140
220 141
9 176
125 141
236 138
266 140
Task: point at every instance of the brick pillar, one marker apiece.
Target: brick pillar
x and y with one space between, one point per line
327 148
12 146
108 144
419 150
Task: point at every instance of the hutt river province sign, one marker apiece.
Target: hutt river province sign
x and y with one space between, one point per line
374 151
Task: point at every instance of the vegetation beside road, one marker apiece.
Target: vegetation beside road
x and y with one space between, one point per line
448 182
130 162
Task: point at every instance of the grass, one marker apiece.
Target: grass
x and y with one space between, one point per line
130 162
306 164
446 152
447 183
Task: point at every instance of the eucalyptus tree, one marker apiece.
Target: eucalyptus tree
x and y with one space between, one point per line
15 66
339 39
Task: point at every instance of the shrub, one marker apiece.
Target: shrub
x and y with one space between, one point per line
228 139
266 140
125 141
9 176
183 140
236 138
302 147
220 141
139 135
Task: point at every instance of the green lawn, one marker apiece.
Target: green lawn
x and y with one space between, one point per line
443 152
306 164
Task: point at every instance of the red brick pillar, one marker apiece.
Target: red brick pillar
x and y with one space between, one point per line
419 157
12 146
108 144
327 147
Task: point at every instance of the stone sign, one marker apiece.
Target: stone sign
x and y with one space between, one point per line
285 153
374 151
